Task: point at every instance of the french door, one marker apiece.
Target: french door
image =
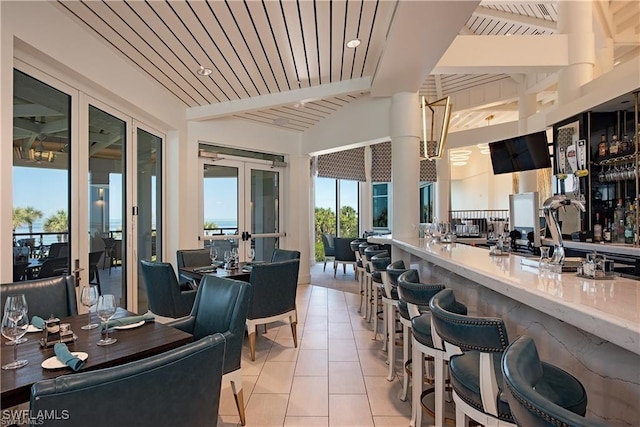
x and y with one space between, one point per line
241 207
87 179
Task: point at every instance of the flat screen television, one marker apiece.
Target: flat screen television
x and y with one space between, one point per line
521 153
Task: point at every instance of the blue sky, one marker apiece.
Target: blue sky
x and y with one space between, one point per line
34 187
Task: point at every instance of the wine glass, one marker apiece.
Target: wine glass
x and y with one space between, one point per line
14 326
17 302
89 298
106 309
213 254
251 254
227 258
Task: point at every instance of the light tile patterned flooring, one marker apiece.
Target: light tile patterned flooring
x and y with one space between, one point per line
336 376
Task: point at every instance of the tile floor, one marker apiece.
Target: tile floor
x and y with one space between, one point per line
336 376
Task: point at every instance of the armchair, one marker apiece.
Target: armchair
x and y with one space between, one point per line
221 306
178 387
191 258
284 255
343 254
274 297
53 267
329 250
52 296
163 291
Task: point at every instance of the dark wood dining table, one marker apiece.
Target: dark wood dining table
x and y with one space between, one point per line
133 344
198 273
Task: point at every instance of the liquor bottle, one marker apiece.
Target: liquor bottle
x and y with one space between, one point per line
606 233
597 229
629 224
602 147
625 145
618 223
614 145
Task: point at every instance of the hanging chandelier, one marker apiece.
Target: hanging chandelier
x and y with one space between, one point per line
436 116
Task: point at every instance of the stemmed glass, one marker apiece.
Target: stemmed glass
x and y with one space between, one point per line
106 309
17 302
227 258
251 254
213 254
14 326
89 298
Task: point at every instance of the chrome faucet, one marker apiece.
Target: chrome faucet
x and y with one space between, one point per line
550 208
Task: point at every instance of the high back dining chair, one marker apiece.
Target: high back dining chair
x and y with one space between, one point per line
163 291
45 297
343 254
329 250
58 250
284 255
94 275
274 297
180 387
191 258
475 346
52 267
522 371
221 306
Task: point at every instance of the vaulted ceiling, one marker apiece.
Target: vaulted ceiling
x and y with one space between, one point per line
294 52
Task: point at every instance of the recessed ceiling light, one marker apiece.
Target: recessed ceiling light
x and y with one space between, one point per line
459 158
352 44
486 151
204 71
483 146
459 163
459 152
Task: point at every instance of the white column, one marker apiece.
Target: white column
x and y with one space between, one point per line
526 107
575 18
604 58
443 188
405 166
299 212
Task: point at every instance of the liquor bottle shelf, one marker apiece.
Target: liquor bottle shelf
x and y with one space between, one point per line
614 159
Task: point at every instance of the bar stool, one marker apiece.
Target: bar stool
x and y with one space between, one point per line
475 346
354 247
379 279
362 276
369 252
417 296
390 303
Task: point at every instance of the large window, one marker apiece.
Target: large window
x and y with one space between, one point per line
381 205
426 202
336 210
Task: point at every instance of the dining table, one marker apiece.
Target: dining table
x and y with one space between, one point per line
242 272
134 342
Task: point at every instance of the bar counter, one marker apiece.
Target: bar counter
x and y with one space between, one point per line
590 328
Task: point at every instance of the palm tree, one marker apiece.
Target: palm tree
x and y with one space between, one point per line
18 218
58 222
209 226
30 215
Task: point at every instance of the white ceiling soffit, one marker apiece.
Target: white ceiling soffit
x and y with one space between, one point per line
420 33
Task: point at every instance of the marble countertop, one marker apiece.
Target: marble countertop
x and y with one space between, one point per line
609 309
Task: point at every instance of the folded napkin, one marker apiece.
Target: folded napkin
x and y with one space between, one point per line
37 322
64 355
123 321
207 269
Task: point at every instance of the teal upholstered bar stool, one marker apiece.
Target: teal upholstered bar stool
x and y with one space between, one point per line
522 371
378 279
390 300
369 252
475 346
417 296
362 278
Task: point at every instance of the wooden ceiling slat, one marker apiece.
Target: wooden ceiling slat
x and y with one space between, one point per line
337 39
350 32
249 46
131 29
366 24
323 27
290 10
111 37
307 24
263 22
274 17
227 69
